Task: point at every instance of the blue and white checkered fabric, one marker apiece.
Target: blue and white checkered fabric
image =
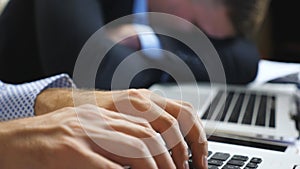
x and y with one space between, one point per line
17 101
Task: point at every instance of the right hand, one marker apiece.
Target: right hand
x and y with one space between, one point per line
86 137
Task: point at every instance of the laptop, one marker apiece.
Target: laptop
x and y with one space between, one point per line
238 156
247 127
260 112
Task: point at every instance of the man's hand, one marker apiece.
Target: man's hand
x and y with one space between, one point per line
176 121
86 137
172 119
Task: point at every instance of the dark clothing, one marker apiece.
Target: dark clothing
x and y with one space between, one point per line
40 38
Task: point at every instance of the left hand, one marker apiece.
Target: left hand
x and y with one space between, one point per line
176 121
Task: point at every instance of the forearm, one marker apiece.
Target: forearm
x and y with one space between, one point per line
4 143
55 98
3 139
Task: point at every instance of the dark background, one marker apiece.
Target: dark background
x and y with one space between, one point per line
279 37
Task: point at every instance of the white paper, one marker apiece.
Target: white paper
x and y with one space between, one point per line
269 70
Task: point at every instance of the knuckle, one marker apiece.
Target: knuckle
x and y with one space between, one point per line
169 120
188 110
145 90
188 105
139 101
135 93
205 143
183 149
149 132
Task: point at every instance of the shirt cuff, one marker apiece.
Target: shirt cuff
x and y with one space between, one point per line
17 101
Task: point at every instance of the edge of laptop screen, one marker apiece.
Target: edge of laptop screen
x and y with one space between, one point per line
275 146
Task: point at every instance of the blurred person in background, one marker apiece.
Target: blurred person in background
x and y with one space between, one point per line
40 38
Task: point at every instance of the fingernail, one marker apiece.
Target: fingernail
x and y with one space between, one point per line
205 162
186 165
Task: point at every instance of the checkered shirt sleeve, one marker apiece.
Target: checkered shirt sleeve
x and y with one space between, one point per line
17 101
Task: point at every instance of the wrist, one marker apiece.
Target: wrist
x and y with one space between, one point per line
53 99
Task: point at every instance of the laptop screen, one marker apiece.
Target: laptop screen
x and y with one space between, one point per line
275 146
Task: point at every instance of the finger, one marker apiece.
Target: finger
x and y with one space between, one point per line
152 140
123 149
190 126
199 159
194 134
169 129
116 146
138 104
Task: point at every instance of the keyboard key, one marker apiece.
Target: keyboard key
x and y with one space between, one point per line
261 116
220 156
272 116
236 162
237 109
240 158
231 167
249 110
210 110
256 160
215 162
223 111
252 165
212 167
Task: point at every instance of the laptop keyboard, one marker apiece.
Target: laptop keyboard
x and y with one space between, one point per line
242 107
220 160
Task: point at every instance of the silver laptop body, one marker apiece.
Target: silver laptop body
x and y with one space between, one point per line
262 112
